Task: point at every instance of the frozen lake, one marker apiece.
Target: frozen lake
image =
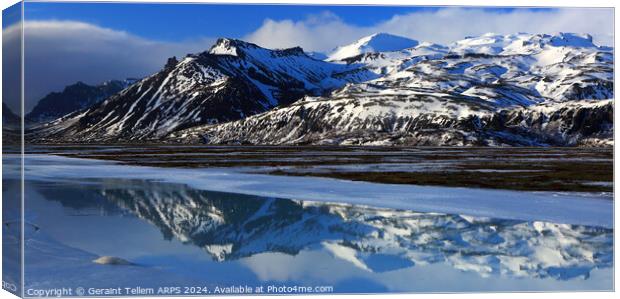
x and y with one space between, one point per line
222 227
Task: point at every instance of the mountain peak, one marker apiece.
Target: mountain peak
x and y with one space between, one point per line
240 48
291 51
521 43
384 35
378 42
229 46
171 62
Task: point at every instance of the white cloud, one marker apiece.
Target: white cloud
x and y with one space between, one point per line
316 33
59 53
326 31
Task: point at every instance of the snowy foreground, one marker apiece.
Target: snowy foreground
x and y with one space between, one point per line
568 208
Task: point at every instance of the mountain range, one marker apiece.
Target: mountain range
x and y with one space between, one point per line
517 89
74 97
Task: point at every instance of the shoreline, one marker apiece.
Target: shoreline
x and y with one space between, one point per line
594 209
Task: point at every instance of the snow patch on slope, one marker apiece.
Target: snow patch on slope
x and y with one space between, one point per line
379 42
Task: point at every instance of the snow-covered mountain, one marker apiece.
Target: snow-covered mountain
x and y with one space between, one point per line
470 92
233 80
435 95
431 120
379 42
74 97
523 44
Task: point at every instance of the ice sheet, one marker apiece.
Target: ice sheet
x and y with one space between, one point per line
558 207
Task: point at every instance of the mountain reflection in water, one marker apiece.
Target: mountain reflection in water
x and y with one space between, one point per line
231 226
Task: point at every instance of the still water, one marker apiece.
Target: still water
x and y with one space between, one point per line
174 235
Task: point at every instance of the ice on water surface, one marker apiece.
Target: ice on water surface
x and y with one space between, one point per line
174 232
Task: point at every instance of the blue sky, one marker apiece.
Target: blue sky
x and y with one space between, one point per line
95 42
173 22
11 15
177 22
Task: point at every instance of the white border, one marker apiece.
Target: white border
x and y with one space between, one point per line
487 3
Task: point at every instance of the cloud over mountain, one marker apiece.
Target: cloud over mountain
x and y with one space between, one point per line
59 53
326 31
